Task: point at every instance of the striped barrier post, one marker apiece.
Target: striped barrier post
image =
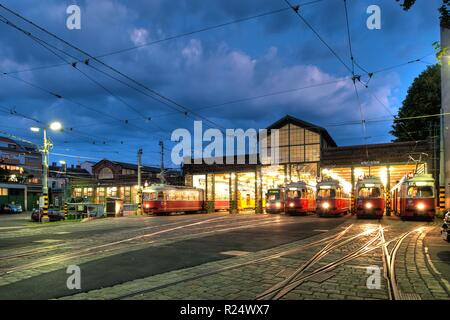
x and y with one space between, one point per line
388 203
66 209
139 204
442 198
45 208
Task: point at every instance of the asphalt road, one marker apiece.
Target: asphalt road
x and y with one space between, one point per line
152 260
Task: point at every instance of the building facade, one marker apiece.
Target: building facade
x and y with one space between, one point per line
307 153
112 179
20 173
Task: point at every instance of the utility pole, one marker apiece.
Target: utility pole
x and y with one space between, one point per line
444 177
44 203
162 178
139 160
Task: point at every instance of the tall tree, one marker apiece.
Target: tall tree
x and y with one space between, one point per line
423 98
444 10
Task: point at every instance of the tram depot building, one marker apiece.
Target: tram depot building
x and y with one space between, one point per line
307 152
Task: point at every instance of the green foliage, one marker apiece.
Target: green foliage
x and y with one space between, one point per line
444 10
440 51
423 98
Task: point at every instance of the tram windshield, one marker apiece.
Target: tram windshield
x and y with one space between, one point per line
273 195
420 192
294 194
372 192
147 196
326 193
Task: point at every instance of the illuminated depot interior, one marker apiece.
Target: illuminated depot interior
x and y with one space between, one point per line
307 153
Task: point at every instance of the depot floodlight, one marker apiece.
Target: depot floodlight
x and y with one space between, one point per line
35 129
62 162
55 126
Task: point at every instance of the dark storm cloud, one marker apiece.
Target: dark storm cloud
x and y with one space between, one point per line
270 54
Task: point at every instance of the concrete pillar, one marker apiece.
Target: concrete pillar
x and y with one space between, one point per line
258 191
233 193
388 192
445 89
210 193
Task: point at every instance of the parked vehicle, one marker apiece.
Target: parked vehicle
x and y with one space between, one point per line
370 200
300 198
445 229
15 208
332 199
414 196
275 201
4 208
53 215
164 199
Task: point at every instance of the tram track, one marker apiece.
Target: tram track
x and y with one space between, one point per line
227 268
389 258
113 246
298 277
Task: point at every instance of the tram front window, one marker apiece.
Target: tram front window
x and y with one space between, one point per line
420 192
273 197
373 192
326 193
147 196
294 194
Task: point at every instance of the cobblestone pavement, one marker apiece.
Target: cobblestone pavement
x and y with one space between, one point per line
247 276
244 271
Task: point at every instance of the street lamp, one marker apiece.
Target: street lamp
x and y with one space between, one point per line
54 126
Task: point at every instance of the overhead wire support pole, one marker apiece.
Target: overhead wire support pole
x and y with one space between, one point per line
139 161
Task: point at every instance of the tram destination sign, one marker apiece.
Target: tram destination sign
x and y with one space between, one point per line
370 163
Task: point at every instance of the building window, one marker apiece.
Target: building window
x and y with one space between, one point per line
111 192
297 154
77 192
311 137
127 195
3 192
284 154
297 135
312 152
284 136
106 173
127 172
100 195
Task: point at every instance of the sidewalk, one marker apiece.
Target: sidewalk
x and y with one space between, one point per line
437 252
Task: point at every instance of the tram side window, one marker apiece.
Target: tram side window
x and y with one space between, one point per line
420 192
160 196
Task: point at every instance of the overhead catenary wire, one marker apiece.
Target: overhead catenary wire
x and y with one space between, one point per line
181 35
47 46
167 100
296 9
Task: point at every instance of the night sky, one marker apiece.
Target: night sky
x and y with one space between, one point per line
270 54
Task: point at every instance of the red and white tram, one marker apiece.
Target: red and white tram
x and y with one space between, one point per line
415 197
369 196
300 198
163 199
332 199
275 201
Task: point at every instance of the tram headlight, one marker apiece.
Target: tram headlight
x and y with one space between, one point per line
291 204
278 205
147 206
420 206
325 205
267 205
369 205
